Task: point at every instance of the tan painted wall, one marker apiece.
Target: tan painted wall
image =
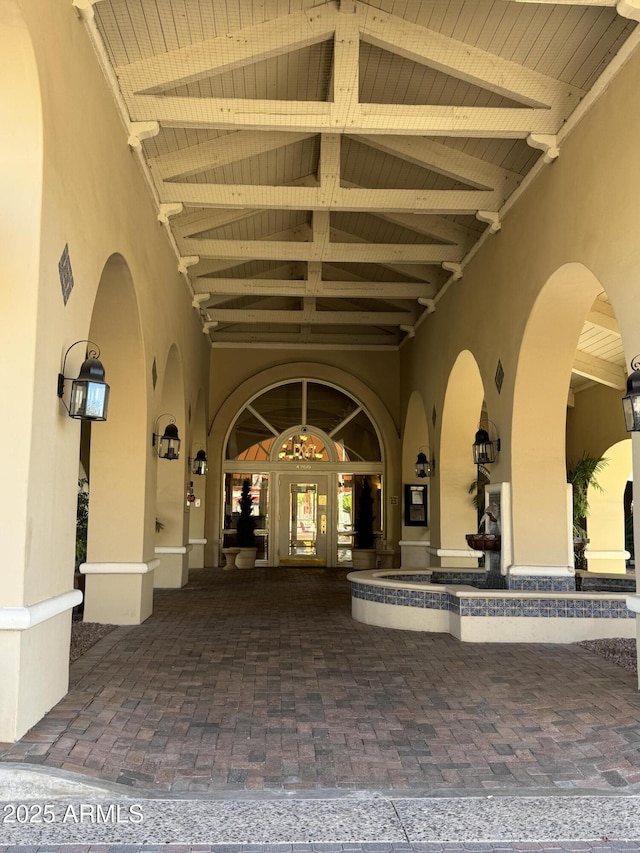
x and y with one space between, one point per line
595 422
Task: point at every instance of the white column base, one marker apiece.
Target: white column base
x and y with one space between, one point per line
609 562
118 593
173 570
196 556
457 558
34 661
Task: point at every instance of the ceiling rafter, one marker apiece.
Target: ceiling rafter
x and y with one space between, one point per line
464 61
233 50
445 160
215 153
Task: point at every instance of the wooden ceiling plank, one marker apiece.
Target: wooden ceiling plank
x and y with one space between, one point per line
464 61
214 153
346 340
226 53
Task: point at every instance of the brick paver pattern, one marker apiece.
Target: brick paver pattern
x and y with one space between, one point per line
260 680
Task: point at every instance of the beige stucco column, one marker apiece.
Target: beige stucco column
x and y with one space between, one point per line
120 559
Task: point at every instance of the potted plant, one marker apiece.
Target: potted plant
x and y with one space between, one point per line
245 535
582 474
364 552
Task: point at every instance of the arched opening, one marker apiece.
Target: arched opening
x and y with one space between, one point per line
115 456
306 446
454 513
541 496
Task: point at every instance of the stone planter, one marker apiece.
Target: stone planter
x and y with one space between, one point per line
230 555
246 558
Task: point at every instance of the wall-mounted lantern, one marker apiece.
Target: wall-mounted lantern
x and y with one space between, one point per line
484 448
168 444
89 396
425 465
631 401
198 463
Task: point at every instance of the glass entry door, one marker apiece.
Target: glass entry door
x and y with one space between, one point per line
304 519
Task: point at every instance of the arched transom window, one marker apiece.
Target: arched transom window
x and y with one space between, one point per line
303 421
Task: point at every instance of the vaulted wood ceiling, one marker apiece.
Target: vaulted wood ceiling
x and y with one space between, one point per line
325 168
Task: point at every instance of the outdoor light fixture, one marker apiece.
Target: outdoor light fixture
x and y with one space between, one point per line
425 467
89 396
484 449
168 444
631 402
199 463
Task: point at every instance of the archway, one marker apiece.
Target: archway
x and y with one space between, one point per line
541 496
171 513
360 422
454 512
119 545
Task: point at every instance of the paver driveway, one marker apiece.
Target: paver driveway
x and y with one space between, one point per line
260 680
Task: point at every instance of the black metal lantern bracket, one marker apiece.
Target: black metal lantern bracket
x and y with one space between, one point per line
484 448
631 400
425 463
167 444
198 463
89 392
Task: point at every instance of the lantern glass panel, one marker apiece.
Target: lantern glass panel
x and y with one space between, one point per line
89 400
169 447
631 408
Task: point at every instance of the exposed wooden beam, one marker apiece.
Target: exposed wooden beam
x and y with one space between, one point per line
204 219
599 370
232 50
445 160
202 277
346 340
463 60
323 117
418 270
314 318
313 198
333 289
214 153
351 252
